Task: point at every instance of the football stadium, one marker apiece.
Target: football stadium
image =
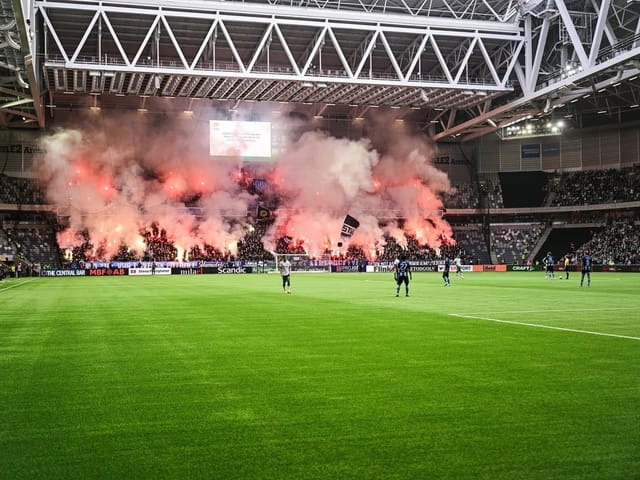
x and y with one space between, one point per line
320 240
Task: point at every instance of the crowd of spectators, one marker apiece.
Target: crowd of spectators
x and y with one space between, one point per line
20 191
490 186
591 187
462 195
471 240
512 244
30 237
36 240
614 244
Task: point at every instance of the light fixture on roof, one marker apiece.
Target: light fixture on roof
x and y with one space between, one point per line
94 73
321 85
307 84
532 129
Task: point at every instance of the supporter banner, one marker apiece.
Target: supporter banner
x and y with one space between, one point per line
344 268
489 268
62 273
187 271
230 270
423 268
521 268
147 271
102 272
420 267
463 268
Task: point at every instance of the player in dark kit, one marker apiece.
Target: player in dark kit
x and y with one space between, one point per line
445 273
586 269
402 274
548 263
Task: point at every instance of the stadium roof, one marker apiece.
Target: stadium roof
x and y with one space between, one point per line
463 69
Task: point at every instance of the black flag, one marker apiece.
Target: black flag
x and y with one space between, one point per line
263 213
349 226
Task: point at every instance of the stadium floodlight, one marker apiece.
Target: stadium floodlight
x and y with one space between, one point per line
532 129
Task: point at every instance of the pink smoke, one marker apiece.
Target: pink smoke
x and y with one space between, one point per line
115 176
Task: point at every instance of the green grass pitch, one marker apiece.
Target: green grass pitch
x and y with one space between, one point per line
501 376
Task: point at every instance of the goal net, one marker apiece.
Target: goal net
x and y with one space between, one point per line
301 262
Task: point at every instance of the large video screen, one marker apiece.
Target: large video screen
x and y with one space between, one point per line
250 141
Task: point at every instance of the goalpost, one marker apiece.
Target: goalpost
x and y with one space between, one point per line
302 263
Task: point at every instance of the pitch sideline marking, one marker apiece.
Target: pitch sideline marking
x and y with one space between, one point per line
15 285
548 327
551 311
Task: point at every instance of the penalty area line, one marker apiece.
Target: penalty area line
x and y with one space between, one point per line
548 327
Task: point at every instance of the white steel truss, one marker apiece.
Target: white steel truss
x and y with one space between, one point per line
462 63
327 58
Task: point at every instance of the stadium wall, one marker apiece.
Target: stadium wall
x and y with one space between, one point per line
586 149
